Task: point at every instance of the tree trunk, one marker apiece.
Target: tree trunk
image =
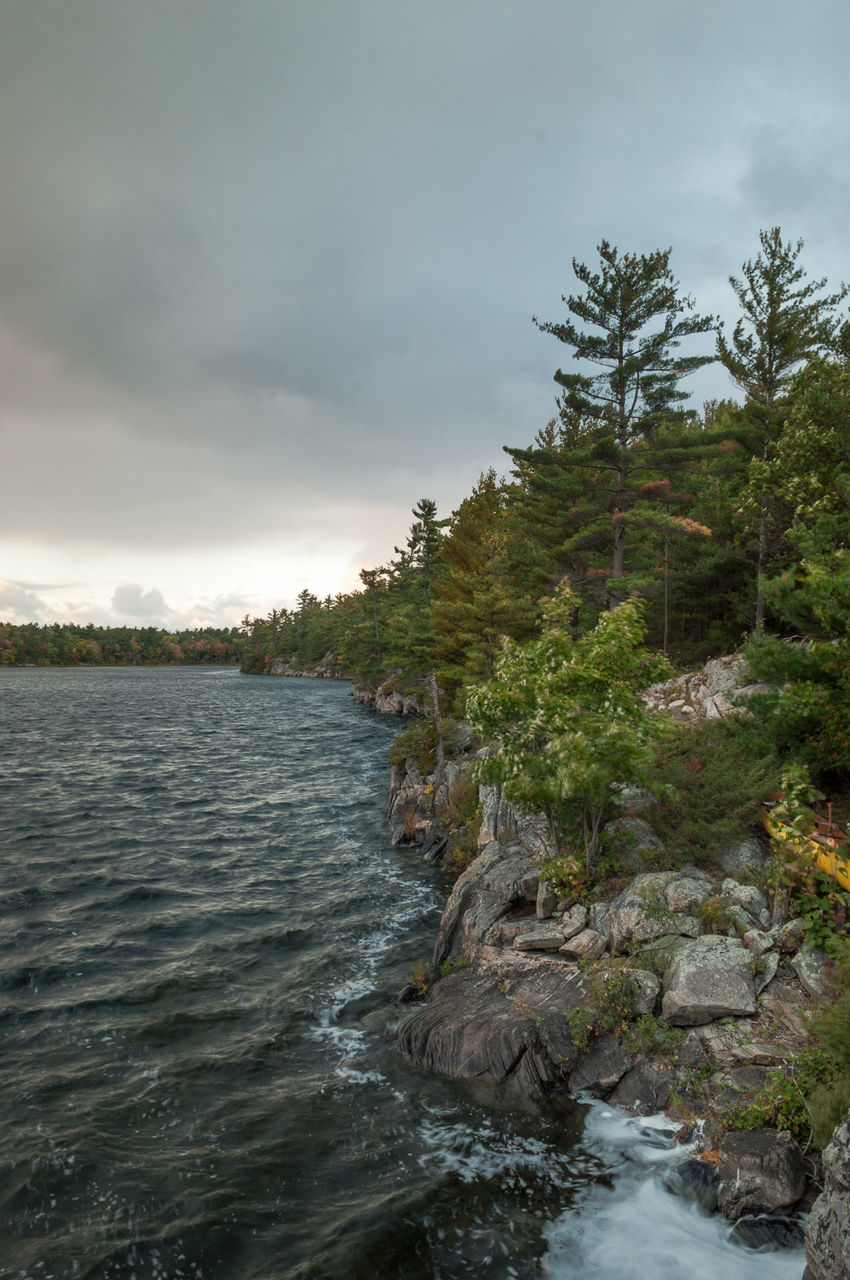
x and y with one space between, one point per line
440 773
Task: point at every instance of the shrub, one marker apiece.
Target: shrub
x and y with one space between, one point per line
711 778
714 915
419 740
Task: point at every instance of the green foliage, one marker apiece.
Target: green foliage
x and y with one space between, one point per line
610 1006
637 320
652 1036
567 719
453 965
418 979
711 778
714 915
419 741
71 645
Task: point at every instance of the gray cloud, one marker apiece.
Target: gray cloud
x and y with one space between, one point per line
263 263
132 601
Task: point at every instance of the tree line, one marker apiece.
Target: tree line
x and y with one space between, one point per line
69 645
625 491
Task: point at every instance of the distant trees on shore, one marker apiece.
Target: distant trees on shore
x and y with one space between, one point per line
68 645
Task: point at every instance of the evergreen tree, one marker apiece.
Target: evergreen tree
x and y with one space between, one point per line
786 319
638 320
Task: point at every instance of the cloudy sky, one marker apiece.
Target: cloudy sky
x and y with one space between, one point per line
268 267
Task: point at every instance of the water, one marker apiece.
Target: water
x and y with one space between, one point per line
204 933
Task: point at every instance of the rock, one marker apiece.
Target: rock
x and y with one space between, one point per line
684 893
587 945
749 898
487 890
789 936
696 1180
505 1024
708 978
810 967
602 1067
768 1233
547 900
760 1171
767 966
500 821
745 857
645 1089
757 941
640 913
548 938
597 917
647 988
827 1236
574 921
633 842
691 1053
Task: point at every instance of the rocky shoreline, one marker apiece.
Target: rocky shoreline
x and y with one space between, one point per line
675 995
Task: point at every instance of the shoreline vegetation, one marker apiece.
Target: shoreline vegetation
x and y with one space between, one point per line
69 645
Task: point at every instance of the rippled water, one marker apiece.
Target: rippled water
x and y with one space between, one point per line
204 933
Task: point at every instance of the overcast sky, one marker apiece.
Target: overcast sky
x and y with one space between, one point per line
268 267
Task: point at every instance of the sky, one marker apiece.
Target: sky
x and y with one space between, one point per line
268 267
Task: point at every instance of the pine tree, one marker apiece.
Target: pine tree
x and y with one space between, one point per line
786 320
638 386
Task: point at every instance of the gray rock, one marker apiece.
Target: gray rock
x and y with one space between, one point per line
647 990
766 971
695 1180
500 1025
587 945
708 978
602 1067
810 967
827 1236
645 1089
547 900
748 897
789 936
760 1171
487 890
640 913
572 926
547 938
683 893
597 917
633 842
745 857
691 1052
757 941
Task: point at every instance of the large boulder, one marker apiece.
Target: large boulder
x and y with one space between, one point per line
827 1236
505 1024
760 1171
708 978
496 881
643 910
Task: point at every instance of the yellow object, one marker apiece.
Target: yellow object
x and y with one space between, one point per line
827 847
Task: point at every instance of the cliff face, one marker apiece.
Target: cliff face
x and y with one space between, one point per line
828 1226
